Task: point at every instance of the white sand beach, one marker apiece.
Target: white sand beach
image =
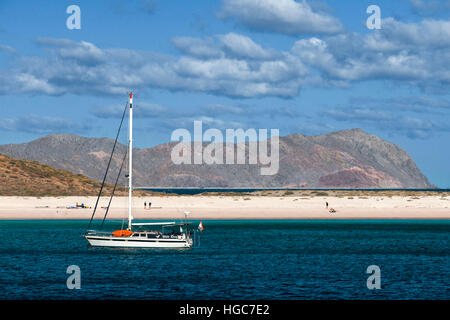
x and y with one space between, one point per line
232 207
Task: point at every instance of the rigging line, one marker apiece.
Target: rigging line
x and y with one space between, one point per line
109 163
114 189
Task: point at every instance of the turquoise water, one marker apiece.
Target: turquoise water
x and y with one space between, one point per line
249 259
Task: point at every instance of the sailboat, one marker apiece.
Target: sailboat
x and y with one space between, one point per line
163 235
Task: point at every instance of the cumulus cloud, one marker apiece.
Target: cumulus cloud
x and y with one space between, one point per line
83 68
398 52
236 66
325 56
244 47
282 16
396 35
231 45
82 52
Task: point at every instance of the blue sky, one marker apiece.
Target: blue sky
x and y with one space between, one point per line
298 66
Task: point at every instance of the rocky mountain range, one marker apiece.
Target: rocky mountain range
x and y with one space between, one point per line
343 159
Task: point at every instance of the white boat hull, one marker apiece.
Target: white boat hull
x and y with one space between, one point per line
129 242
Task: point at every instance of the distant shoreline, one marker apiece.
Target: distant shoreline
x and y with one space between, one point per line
242 206
199 192
210 190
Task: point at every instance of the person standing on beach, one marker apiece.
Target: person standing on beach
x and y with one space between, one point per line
326 204
145 205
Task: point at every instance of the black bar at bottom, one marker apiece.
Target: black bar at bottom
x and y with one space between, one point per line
218 309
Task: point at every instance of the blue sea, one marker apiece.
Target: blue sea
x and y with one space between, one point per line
245 259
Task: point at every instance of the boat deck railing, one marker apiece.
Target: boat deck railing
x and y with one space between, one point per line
98 233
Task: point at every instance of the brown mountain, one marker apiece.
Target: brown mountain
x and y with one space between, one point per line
30 178
347 159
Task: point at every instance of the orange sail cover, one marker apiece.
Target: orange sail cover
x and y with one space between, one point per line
122 233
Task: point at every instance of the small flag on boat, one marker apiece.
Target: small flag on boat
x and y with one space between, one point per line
200 226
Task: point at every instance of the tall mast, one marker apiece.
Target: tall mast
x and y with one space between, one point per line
130 166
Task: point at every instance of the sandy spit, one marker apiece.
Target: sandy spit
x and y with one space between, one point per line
230 207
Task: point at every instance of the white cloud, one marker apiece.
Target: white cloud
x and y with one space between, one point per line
398 52
234 65
82 52
30 83
231 45
396 35
244 47
82 68
283 16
